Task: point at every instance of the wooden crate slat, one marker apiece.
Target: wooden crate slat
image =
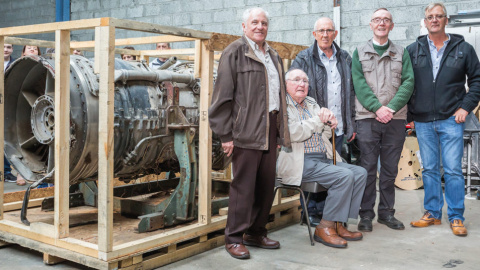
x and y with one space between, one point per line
51 27
106 41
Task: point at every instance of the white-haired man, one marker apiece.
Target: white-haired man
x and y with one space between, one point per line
329 70
309 159
248 112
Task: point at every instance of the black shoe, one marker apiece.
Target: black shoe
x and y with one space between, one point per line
365 224
10 178
391 222
314 220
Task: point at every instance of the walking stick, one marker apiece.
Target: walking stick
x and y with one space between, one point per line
333 146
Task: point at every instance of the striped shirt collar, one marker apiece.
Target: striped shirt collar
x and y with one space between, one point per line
255 45
302 105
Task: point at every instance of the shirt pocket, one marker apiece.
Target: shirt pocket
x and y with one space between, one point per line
367 66
454 61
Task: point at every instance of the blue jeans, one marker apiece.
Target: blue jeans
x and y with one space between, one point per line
445 136
6 166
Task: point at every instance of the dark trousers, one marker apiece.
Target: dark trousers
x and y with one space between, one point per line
339 143
251 191
385 140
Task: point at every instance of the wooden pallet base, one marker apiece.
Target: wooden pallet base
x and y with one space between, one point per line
198 245
281 215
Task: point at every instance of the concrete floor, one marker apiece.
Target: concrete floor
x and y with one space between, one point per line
434 247
13 187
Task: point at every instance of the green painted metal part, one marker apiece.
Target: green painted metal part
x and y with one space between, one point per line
90 193
180 206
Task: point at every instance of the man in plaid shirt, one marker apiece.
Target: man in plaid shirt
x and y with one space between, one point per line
309 159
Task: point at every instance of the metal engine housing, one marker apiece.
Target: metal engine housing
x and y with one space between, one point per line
143 141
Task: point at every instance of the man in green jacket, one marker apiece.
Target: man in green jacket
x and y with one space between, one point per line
383 80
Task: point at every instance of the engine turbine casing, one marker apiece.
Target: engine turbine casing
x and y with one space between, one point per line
143 143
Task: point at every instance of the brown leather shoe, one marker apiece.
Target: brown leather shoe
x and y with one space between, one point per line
426 221
458 228
260 241
238 251
346 234
329 237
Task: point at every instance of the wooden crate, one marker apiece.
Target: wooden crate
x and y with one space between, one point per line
52 235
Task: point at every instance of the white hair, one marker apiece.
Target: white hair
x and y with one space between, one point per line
288 74
248 12
322 18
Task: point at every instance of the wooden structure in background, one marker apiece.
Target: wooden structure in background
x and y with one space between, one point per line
102 244
409 175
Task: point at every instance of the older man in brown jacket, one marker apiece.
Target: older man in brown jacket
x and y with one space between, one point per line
248 112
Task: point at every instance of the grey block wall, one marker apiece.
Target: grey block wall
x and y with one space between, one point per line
25 12
291 21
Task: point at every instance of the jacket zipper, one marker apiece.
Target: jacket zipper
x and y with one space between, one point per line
434 99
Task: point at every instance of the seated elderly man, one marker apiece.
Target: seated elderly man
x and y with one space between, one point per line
310 159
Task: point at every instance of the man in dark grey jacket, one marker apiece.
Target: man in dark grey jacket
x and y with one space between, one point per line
442 63
329 70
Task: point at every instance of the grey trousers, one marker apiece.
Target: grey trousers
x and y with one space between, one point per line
345 184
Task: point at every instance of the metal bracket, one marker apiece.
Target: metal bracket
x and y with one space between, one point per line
90 193
151 222
176 118
76 199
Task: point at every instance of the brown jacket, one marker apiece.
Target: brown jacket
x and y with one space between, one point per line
239 109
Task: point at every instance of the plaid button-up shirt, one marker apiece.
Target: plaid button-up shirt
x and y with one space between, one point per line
315 143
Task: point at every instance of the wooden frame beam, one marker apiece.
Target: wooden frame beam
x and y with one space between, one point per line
218 42
197 59
157 53
104 56
133 41
52 27
158 29
62 132
2 119
205 137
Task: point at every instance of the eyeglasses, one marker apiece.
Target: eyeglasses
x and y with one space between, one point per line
437 17
384 20
325 31
298 80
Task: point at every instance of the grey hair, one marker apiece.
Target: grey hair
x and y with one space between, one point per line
391 16
248 12
287 75
437 4
315 25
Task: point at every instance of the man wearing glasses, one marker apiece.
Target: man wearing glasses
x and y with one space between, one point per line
329 69
383 80
309 159
439 105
